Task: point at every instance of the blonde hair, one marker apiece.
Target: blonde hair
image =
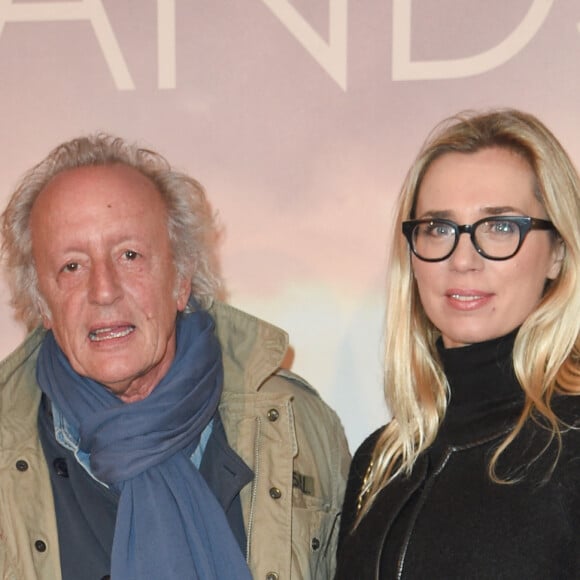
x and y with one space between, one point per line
190 219
547 346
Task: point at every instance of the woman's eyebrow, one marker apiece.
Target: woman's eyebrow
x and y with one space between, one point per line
488 210
498 210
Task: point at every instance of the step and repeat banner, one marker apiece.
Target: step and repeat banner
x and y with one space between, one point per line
300 117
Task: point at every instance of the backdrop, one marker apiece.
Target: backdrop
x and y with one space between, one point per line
300 117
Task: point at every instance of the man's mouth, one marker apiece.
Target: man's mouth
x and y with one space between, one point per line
109 333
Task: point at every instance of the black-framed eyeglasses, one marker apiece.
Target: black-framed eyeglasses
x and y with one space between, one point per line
495 238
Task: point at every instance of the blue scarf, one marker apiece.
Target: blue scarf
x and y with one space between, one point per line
169 524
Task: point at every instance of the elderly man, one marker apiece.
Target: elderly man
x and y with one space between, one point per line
146 430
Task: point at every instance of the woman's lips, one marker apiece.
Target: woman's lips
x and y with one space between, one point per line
467 299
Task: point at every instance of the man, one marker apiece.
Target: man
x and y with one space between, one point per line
147 430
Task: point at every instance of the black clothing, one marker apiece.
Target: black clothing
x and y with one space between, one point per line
448 520
86 510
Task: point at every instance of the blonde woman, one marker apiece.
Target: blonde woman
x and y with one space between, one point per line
477 475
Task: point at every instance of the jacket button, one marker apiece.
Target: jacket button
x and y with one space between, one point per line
40 546
21 465
60 467
275 493
273 415
315 543
272 576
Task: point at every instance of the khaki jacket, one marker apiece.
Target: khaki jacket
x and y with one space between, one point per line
275 421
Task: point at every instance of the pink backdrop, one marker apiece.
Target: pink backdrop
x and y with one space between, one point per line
300 117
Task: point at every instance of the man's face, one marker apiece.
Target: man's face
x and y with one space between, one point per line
105 270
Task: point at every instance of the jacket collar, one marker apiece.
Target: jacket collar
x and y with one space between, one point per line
252 349
20 395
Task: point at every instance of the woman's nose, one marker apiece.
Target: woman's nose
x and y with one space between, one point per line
465 256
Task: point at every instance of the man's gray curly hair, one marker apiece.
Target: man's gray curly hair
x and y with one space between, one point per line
190 220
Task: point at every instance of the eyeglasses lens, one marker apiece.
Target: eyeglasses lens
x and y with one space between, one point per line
434 240
497 239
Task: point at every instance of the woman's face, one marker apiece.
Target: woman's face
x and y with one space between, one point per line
467 297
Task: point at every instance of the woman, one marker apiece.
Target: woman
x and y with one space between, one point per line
478 473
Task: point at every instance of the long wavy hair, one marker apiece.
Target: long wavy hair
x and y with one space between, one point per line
546 352
190 219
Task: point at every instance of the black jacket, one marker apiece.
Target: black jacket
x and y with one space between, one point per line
448 519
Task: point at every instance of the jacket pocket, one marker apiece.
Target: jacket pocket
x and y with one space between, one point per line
314 538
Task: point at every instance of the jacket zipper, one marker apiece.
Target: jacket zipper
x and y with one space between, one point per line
254 486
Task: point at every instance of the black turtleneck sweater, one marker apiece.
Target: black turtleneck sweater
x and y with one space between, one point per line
484 392
448 519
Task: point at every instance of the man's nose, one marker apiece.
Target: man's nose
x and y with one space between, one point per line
104 283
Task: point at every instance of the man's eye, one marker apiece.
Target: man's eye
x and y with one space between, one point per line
71 267
130 254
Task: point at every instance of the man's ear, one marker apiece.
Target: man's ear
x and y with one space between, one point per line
183 291
44 313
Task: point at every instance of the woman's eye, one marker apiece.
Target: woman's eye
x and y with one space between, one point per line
502 227
438 230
